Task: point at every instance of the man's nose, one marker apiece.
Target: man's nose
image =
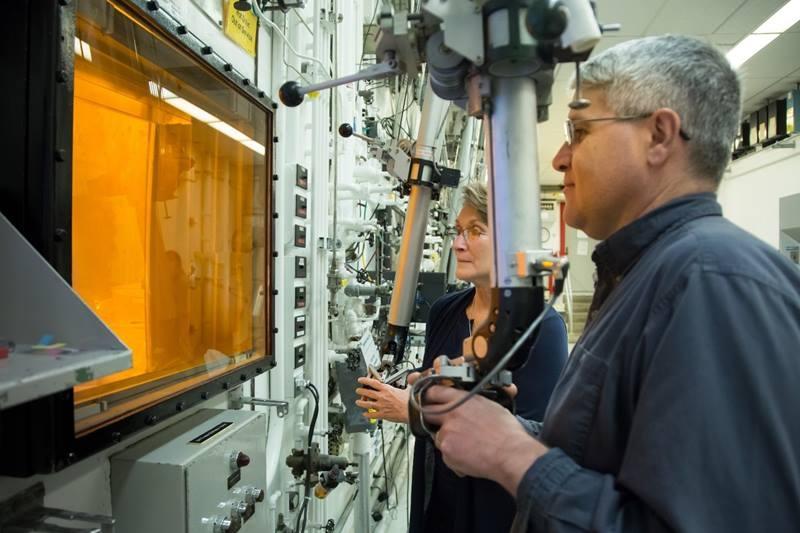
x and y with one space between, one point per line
562 158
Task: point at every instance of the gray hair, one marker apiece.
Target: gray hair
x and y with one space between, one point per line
476 195
685 74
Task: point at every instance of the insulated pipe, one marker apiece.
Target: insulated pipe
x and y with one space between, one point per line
513 177
414 229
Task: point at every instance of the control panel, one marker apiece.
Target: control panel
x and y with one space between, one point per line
299 326
300 267
299 297
299 236
300 206
299 355
206 473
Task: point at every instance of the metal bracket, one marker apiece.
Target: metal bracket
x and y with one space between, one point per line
281 407
467 17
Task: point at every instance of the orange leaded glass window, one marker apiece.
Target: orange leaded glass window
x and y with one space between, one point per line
168 211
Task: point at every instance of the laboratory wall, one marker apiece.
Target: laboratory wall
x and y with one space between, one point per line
752 187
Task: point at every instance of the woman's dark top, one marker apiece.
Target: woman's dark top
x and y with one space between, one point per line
471 505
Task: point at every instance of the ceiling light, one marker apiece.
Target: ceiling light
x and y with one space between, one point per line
748 47
255 146
782 20
204 116
230 131
87 51
187 107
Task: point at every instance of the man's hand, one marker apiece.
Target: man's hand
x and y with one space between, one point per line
482 439
383 401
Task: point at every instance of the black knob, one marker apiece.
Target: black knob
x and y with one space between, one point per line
290 94
546 22
345 130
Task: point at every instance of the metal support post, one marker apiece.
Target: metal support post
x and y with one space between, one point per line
405 286
513 177
510 119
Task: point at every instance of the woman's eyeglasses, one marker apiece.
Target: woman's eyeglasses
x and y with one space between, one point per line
471 234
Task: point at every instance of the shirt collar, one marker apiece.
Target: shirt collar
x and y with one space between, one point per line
616 254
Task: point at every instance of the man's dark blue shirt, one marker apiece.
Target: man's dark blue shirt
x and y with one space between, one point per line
679 408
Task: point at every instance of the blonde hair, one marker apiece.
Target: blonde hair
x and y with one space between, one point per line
476 195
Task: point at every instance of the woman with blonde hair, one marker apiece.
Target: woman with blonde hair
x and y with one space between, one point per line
441 501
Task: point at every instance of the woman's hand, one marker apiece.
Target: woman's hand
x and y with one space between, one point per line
382 401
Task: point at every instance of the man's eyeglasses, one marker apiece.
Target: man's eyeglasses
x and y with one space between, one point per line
470 234
570 133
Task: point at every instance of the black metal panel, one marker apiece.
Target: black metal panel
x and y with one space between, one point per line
37 437
35 144
430 287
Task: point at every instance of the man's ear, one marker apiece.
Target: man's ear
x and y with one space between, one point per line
665 127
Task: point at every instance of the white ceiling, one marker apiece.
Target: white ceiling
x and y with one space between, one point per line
773 71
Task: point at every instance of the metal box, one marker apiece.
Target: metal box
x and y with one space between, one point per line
206 473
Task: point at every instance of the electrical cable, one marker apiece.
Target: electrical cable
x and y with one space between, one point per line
302 514
275 27
415 397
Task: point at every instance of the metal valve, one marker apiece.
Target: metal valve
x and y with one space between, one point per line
222 524
253 495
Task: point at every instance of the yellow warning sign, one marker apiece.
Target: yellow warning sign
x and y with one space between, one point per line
241 27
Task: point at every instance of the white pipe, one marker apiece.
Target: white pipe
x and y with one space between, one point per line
334 357
273 507
361 448
363 174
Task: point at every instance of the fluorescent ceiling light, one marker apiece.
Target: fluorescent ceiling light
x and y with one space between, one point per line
748 47
82 49
254 146
230 131
187 107
783 19
87 51
204 116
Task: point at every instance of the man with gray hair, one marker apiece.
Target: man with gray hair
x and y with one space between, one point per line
678 409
